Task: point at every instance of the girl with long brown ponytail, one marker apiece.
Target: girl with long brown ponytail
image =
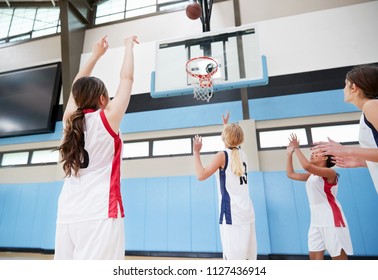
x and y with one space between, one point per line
90 212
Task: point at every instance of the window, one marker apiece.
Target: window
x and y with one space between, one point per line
212 144
17 24
113 10
279 138
29 158
45 156
136 149
15 158
338 133
172 147
274 138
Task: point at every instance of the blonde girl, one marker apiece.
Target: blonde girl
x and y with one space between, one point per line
236 213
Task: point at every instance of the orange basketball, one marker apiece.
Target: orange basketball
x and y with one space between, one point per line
193 10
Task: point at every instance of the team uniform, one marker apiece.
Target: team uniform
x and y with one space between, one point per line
368 138
236 213
328 228
90 212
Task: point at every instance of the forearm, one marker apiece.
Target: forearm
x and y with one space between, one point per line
302 159
87 68
364 154
289 165
127 69
198 166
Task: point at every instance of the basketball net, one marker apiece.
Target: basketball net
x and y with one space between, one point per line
203 87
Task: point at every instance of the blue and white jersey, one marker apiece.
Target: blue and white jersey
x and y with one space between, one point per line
368 138
235 205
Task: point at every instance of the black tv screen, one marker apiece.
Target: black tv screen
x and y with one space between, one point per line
29 99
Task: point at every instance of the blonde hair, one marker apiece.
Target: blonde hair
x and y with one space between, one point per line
233 136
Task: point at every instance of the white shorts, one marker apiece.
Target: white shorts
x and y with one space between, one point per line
332 239
90 240
239 242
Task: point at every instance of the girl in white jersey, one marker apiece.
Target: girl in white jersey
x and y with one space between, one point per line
361 89
236 213
90 211
328 228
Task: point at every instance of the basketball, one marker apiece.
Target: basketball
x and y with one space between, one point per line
193 11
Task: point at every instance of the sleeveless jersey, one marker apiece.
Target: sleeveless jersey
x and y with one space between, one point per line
368 138
325 209
95 192
235 205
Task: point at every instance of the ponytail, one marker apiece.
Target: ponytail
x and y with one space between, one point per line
236 163
233 136
72 147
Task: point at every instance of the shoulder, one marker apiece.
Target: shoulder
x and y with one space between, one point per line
370 110
220 158
370 106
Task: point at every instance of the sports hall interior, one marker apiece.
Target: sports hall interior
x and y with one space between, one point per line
309 47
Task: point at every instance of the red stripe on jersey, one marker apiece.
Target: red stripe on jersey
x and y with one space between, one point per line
337 216
115 177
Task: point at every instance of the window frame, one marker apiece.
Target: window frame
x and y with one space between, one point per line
307 128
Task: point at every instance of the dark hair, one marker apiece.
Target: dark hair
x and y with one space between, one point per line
329 162
86 91
366 78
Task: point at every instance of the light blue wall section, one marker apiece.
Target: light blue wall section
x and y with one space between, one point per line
288 106
175 118
180 214
28 215
300 105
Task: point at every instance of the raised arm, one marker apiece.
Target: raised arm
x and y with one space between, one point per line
205 172
358 154
116 108
289 165
99 49
325 172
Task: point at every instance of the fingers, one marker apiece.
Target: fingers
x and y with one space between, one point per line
105 43
197 139
129 41
225 118
135 39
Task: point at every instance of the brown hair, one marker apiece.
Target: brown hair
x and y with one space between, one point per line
86 92
366 78
233 136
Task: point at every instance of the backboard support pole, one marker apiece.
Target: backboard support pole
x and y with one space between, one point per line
243 91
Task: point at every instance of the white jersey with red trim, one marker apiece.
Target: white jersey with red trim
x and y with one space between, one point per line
368 138
235 205
95 192
326 211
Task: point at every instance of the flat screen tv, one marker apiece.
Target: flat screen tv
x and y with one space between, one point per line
29 100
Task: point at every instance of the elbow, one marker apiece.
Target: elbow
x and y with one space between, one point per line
201 178
128 78
289 175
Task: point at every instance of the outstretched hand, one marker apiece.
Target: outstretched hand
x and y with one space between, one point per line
197 144
101 46
348 162
329 148
129 41
225 118
293 143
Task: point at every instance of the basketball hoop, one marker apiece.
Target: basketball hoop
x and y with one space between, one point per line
202 70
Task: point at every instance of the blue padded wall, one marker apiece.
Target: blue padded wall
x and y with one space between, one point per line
28 215
180 214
